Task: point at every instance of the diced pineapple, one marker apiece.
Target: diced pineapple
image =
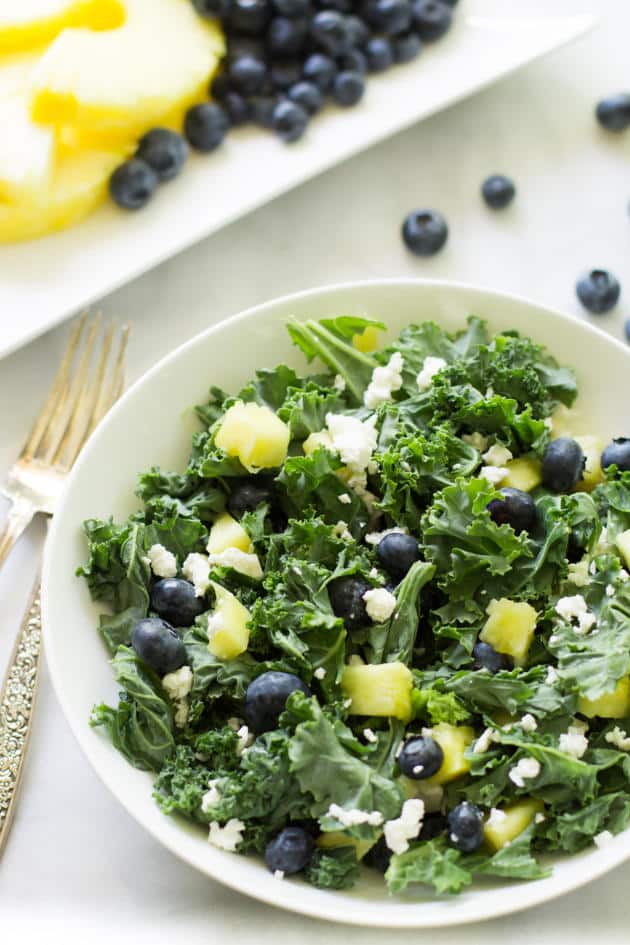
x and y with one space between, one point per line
510 628
592 447
30 23
612 705
228 631
255 435
366 340
336 838
432 795
622 542
315 441
228 533
382 689
523 473
453 740
518 817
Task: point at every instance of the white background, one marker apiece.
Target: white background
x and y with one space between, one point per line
76 864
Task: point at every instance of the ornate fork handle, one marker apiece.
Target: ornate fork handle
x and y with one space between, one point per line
17 699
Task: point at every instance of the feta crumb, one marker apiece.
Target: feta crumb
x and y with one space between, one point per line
354 440
574 608
610 590
539 818
578 573
493 474
418 769
476 440
369 735
341 530
552 676
227 837
548 422
241 561
196 569
623 575
373 573
574 741
339 383
180 716
353 817
592 568
618 738
496 817
484 741
178 683
379 604
278 874
490 391
553 639
345 499
245 739
385 380
406 827
602 839
212 796
319 673
373 538
528 723
497 455
430 368
163 562
347 703
525 768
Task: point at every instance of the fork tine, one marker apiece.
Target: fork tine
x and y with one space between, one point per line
109 393
57 391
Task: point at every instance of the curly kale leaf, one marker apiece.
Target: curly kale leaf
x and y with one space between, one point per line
310 485
337 868
327 341
394 640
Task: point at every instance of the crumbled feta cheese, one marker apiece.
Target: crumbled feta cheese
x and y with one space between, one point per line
353 817
497 455
539 818
163 562
347 703
180 716
430 368
369 735
196 569
178 683
548 422
493 474
552 676
341 530
373 538
610 590
319 673
212 796
484 742
490 391
528 723
574 741
245 739
373 573
278 874
618 738
417 769
227 837
477 440
592 568
553 639
241 561
623 575
602 839
379 604
385 380
496 817
339 383
354 440
574 608
578 573
526 768
345 499
400 831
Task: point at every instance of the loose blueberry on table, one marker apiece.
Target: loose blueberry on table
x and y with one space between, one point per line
424 232
613 112
598 291
498 191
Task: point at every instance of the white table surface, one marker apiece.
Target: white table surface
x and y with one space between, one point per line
76 863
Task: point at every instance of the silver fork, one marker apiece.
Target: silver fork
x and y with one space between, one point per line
88 382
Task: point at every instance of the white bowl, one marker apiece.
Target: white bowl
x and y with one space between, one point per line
152 424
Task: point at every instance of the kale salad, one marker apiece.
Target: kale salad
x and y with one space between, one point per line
382 619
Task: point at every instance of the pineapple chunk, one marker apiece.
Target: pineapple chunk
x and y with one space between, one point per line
315 440
592 447
622 542
366 340
517 818
228 533
255 435
336 838
27 153
510 628
612 705
76 82
228 631
30 23
453 740
523 473
383 689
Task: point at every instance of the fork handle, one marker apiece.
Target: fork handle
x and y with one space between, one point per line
21 514
17 699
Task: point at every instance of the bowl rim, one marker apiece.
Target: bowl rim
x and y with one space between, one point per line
601 860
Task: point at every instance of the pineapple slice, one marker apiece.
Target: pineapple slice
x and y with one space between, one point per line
517 818
382 689
255 435
366 340
27 153
510 628
453 740
228 533
592 447
622 542
120 82
228 631
30 23
336 838
612 705
523 473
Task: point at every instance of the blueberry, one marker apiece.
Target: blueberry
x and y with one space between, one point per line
424 232
406 47
353 61
420 757
465 827
498 191
247 495
236 107
285 73
174 599
346 600
219 86
613 113
132 184
389 16
289 121
307 96
433 825
486 657
358 31
598 291
262 108
266 697
379 54
286 37
254 46
330 30
516 508
432 19
292 8
157 645
290 851
341 6
205 126
212 8
617 453
247 74
348 88
163 150
397 552
378 857
321 70
563 464
250 16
